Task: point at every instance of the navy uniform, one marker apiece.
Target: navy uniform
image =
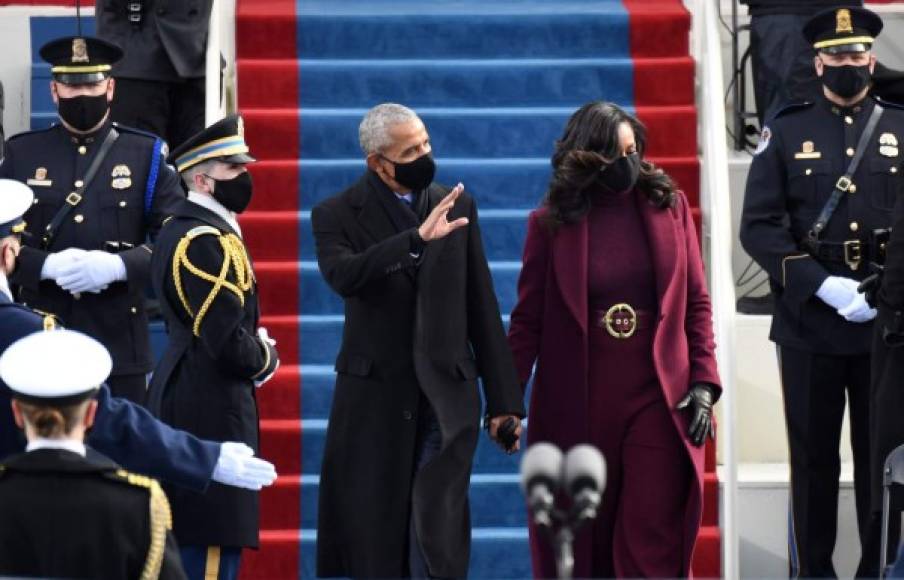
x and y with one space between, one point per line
68 512
160 80
126 201
205 382
824 351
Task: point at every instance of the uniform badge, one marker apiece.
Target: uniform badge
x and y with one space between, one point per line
843 21
808 151
765 136
888 145
40 178
79 50
121 177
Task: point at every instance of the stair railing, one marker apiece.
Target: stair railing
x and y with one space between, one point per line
717 244
220 86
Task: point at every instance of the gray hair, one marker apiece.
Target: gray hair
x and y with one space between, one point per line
188 176
373 133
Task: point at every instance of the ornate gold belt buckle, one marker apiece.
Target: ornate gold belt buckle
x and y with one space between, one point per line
620 321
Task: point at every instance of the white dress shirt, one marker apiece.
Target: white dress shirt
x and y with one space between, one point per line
72 445
205 200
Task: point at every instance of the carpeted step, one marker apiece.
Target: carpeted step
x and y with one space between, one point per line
707 561
318 298
278 557
455 132
280 397
501 183
524 28
280 442
466 82
280 505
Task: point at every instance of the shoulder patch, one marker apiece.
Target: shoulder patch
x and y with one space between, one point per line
765 137
793 107
134 131
134 479
32 132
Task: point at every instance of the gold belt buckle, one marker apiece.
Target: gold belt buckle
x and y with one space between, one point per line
620 327
853 253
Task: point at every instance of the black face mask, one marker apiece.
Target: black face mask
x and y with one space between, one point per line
415 175
621 175
846 81
84 112
233 194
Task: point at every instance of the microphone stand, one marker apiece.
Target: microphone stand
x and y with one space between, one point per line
563 526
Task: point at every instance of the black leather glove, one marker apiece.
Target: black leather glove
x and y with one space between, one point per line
700 399
870 285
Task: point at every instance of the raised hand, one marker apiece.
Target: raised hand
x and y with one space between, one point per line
437 225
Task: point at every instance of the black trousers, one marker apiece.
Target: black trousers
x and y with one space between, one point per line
782 63
172 110
815 388
429 443
131 387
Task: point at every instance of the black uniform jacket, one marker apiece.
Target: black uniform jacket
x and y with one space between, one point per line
427 326
169 43
126 202
68 516
803 152
204 383
764 7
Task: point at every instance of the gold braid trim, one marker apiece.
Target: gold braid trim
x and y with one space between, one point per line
161 520
235 258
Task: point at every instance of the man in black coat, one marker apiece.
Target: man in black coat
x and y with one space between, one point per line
67 511
816 254
217 354
421 325
160 80
88 258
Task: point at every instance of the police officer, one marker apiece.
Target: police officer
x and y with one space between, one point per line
67 511
123 431
217 354
100 190
160 80
820 190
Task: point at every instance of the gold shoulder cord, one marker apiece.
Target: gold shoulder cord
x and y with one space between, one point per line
161 522
234 256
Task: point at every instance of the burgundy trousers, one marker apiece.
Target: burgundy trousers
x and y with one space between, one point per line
639 531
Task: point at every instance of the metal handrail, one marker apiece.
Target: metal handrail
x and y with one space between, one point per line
220 42
718 241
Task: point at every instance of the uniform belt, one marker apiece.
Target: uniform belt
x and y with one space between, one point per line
622 320
850 252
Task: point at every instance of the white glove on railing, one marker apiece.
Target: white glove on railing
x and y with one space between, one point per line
265 337
858 310
837 292
55 262
92 272
238 467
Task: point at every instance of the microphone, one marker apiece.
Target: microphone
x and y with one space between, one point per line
584 474
541 471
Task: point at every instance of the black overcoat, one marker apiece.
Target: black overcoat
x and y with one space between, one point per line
204 383
68 516
426 325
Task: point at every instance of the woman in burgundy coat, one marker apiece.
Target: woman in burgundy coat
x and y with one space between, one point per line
613 308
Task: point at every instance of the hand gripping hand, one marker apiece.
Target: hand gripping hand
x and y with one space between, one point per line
55 262
238 467
837 292
91 272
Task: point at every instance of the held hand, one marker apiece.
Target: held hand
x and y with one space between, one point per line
509 442
858 310
699 399
238 467
837 291
92 272
436 225
54 263
264 337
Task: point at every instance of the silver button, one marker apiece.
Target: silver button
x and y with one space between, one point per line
79 183
852 189
133 310
122 203
894 169
79 218
808 171
855 226
82 149
850 151
849 120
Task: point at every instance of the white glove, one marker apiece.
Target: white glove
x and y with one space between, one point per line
265 337
238 467
55 262
92 272
858 310
837 292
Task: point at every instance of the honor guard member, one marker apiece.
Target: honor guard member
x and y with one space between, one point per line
67 511
101 190
217 354
820 192
123 431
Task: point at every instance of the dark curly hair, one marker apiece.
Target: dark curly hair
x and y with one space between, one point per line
590 143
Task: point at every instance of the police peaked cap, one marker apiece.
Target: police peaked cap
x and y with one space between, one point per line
841 30
223 141
15 199
80 60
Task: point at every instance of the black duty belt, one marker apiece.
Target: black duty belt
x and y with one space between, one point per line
850 252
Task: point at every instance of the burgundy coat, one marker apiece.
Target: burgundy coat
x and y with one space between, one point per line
549 327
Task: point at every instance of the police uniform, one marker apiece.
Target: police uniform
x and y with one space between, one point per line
66 511
823 357
160 80
130 194
205 381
